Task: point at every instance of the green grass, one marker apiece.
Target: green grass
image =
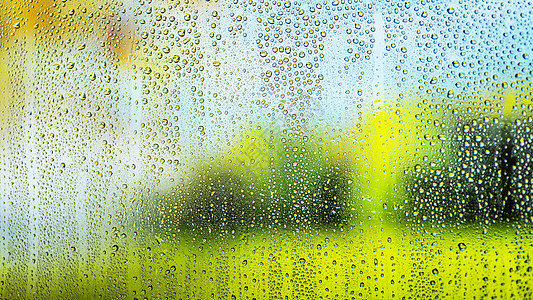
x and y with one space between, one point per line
369 261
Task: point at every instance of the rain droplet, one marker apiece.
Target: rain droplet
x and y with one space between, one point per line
462 246
450 94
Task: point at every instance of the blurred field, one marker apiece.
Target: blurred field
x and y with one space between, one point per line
369 261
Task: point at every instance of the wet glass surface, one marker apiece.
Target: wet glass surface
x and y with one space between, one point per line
266 149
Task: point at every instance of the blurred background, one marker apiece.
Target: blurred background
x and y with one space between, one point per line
265 149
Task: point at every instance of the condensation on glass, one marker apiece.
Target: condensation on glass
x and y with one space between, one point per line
252 149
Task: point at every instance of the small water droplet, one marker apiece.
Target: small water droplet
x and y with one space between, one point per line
462 246
450 94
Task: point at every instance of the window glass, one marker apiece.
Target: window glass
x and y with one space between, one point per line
257 149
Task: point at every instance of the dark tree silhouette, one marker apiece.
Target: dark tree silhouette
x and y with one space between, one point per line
487 177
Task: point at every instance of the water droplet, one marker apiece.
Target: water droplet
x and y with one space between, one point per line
462 246
450 94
